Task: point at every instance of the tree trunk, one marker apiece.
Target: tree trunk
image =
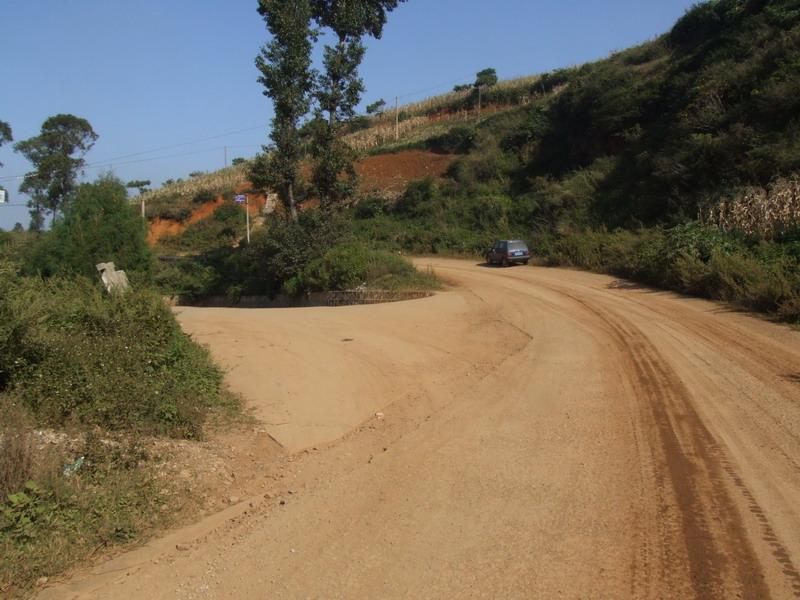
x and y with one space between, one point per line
292 203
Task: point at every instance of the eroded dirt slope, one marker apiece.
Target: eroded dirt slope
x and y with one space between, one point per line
544 434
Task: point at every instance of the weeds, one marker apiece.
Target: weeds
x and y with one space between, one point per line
73 354
52 520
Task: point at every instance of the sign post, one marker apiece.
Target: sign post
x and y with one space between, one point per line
243 199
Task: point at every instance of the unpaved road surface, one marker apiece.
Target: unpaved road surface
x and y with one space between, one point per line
544 434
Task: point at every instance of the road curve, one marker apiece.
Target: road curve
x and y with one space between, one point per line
543 434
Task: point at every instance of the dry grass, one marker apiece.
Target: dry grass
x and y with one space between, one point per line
421 120
766 212
435 115
180 194
17 461
444 101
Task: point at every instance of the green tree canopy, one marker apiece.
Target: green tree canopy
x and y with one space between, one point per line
339 89
353 18
287 77
486 78
140 185
376 107
57 156
5 134
99 225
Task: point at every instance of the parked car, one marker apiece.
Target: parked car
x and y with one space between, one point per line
507 252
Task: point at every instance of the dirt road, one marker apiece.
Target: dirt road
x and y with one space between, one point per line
544 434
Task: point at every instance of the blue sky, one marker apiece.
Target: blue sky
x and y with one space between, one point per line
156 74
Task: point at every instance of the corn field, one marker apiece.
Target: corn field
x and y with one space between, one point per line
766 212
439 109
184 191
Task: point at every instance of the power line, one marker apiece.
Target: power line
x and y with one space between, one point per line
198 141
111 161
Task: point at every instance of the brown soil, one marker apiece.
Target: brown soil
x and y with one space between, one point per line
160 228
388 174
391 173
531 433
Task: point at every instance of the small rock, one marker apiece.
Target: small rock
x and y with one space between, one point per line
283 502
43 580
182 547
379 416
233 499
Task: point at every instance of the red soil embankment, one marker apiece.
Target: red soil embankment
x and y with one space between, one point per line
393 172
159 228
386 173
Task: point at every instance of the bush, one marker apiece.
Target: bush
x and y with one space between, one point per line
458 140
225 226
73 353
99 225
690 259
50 522
204 196
369 208
351 265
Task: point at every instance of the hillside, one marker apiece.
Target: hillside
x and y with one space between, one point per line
689 143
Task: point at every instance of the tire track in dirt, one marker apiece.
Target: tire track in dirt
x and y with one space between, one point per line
696 465
684 436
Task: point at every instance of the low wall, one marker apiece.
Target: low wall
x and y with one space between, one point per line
342 298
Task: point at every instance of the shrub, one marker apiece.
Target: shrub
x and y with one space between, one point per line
73 353
690 259
204 196
369 208
355 264
458 140
418 199
49 522
99 225
223 228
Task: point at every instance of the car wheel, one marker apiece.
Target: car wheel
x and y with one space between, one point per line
525 262
505 262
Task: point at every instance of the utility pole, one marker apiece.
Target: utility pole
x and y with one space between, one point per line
480 98
141 198
396 118
247 216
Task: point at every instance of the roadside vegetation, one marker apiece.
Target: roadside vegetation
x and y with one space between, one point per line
673 163
86 377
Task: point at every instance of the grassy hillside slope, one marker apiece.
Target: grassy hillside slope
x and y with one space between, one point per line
674 162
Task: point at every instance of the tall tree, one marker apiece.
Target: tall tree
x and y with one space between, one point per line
5 134
140 185
486 78
99 225
339 89
57 156
287 77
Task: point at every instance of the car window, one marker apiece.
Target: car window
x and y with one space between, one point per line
517 246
